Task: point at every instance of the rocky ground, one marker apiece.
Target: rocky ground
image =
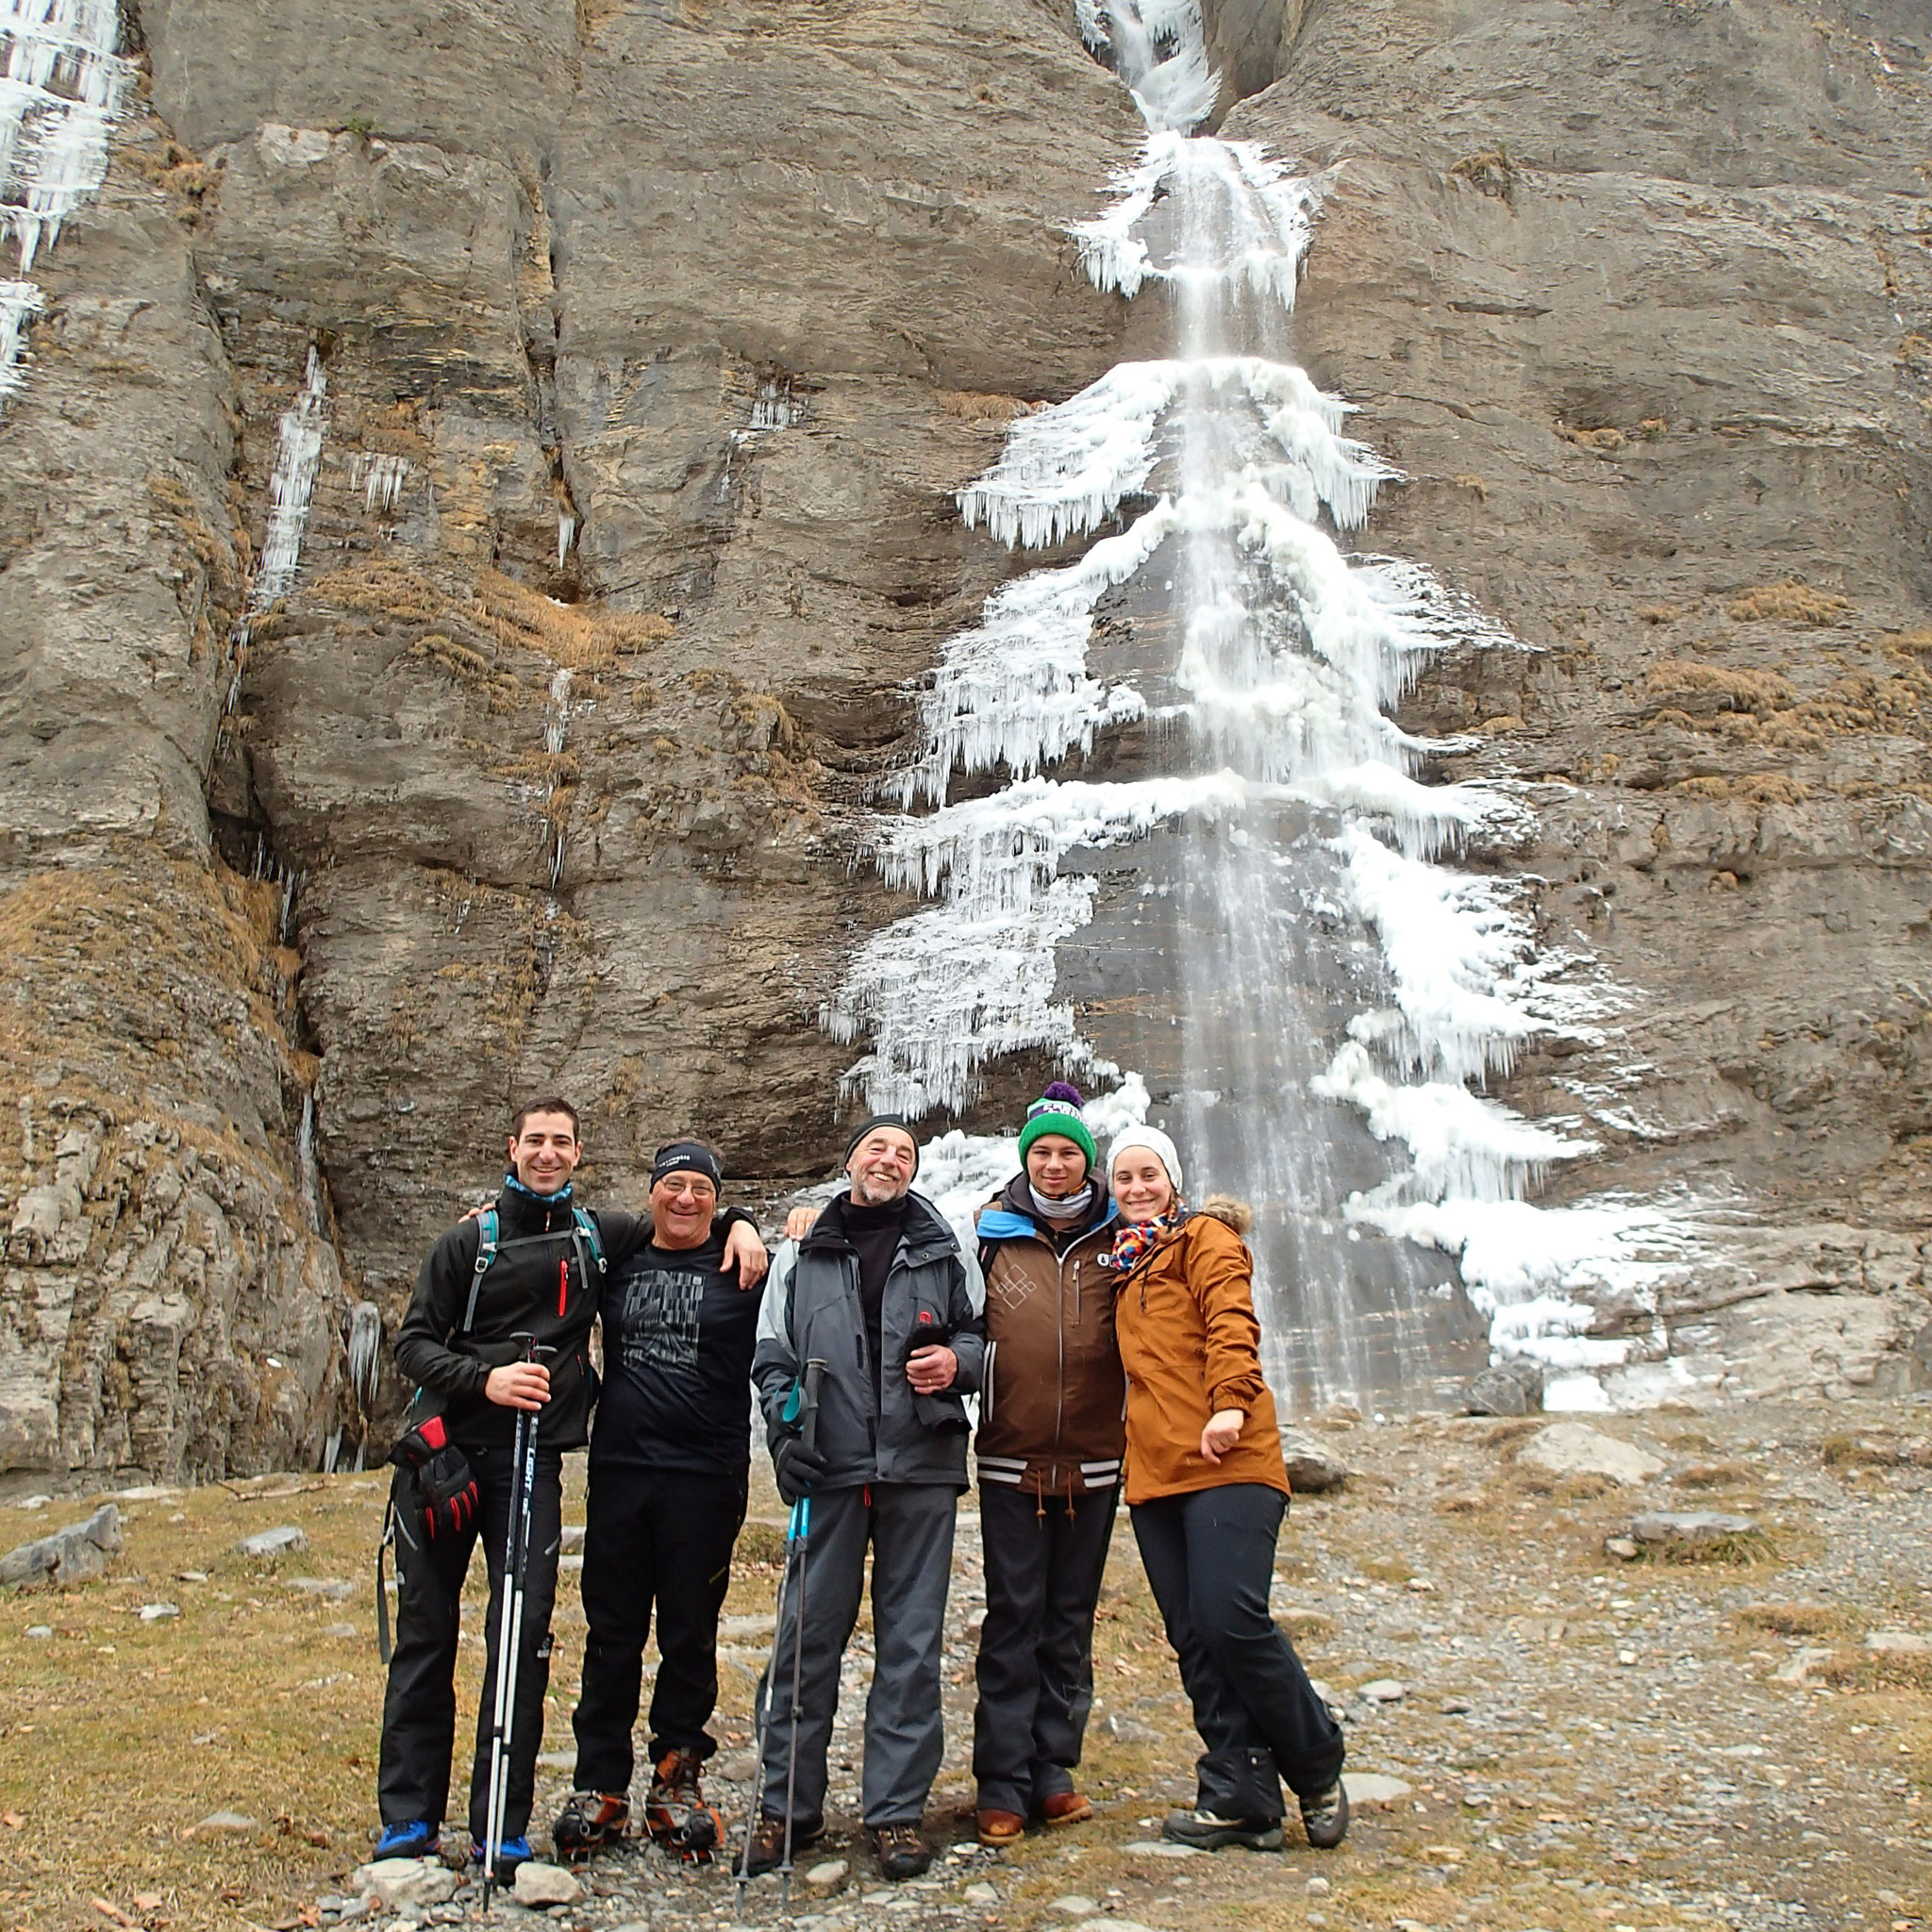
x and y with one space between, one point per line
1578 1740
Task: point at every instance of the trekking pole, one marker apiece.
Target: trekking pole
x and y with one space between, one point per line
804 1404
799 1535
510 1631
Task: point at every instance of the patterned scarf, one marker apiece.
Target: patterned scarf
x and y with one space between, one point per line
1137 1240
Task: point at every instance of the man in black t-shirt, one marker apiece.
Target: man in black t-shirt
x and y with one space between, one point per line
670 1456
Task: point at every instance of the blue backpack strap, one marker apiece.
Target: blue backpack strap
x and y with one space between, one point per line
587 1226
486 1254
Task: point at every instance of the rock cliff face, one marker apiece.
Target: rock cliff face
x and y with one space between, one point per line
652 341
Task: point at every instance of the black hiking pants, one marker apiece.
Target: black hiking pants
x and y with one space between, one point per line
1210 1560
657 1538
1043 1562
419 1712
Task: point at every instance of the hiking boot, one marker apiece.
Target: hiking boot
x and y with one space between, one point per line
766 1851
1207 1831
1324 1817
676 1813
1063 1807
511 1853
903 1853
418 1839
589 1821
998 1828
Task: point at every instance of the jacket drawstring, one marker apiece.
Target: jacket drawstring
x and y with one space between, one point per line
1071 1517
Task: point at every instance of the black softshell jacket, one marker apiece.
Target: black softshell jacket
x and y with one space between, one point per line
536 1286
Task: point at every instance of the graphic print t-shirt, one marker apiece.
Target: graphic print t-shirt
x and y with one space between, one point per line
678 1335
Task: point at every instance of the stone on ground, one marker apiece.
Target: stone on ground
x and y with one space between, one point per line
1508 1388
1312 1471
1803 1664
1075 1906
273 1542
1689 1528
69 1556
539 1885
1899 1643
218 1821
1383 1690
1369 1790
826 1878
331 1588
1576 1449
405 1882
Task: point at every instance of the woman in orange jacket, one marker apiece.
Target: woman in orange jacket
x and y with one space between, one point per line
1208 1491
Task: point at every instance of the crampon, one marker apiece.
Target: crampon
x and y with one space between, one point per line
676 1813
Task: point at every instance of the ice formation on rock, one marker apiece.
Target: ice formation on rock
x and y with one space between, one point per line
62 86
1300 800
290 484
381 478
18 302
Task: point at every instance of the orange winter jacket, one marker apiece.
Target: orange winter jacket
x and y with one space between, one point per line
1191 1346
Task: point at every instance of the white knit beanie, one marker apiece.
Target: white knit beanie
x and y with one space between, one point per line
1156 1143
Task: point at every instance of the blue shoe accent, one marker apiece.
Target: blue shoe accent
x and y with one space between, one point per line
511 1853
416 1840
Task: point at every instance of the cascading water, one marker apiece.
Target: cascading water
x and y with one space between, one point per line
1336 989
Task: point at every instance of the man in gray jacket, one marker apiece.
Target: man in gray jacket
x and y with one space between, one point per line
880 1293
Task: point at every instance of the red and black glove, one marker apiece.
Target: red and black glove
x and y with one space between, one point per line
445 1485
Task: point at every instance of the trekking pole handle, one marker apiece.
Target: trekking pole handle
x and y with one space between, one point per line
814 1375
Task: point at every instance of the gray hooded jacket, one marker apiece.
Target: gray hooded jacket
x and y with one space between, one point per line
811 1311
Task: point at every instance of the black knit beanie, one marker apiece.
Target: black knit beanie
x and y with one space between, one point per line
873 1121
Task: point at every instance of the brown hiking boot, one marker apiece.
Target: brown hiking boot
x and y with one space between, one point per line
766 1851
903 1853
1064 1808
676 1813
999 1827
589 1821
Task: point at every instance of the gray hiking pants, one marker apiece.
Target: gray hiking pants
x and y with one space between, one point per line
910 1527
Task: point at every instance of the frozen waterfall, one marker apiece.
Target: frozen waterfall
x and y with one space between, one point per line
62 86
1339 989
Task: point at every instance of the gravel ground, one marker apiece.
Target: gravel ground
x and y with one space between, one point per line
1580 1741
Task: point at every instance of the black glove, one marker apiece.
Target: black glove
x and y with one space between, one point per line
797 1467
446 1484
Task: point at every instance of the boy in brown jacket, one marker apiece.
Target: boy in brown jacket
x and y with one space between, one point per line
1051 1436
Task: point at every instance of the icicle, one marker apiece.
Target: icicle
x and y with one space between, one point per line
365 1352
566 535
299 455
381 478
309 1172
18 302
63 90
557 723
773 406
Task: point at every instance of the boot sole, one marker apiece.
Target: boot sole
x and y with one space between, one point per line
1269 1841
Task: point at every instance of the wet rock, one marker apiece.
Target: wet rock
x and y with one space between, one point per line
273 1542
69 1556
1512 1387
539 1885
405 1882
1312 1470
1567 1449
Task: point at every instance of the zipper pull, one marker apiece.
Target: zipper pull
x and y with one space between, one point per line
562 1286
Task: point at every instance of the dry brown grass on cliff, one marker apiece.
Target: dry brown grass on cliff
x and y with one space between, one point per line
1604 438
1758 692
1790 602
1488 172
1757 787
972 406
499 611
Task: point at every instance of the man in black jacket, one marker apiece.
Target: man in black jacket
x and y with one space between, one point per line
463 1342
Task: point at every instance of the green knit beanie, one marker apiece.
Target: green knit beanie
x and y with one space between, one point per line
1058 1112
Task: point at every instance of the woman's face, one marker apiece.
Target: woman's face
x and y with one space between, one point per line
1141 1187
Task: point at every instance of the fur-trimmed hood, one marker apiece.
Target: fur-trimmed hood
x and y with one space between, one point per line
1224 1207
